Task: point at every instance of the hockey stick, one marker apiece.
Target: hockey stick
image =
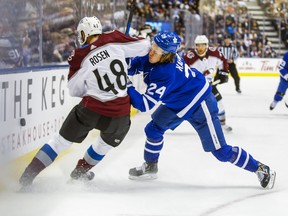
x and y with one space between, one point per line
216 82
132 7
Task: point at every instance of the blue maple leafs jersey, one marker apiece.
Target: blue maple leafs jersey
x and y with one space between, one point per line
283 67
177 86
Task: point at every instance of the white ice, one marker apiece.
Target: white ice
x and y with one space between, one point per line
190 182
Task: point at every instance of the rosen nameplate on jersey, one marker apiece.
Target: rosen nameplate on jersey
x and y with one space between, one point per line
99 57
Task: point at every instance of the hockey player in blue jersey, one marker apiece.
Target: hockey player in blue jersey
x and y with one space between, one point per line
186 96
283 85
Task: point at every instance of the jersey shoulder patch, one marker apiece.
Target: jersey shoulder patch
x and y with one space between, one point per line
190 54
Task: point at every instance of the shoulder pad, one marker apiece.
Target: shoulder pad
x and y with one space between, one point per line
213 49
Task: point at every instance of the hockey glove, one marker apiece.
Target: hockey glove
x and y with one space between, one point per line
209 74
209 71
221 77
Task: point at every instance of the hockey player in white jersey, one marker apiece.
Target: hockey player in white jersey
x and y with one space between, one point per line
210 61
98 72
186 95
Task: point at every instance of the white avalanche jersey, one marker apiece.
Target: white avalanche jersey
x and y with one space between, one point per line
98 72
207 64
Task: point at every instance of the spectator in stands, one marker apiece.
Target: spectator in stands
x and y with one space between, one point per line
269 51
231 29
284 31
147 11
246 24
255 53
9 48
26 53
254 25
242 49
50 53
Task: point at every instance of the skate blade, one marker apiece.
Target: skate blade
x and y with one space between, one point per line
79 181
72 181
85 178
144 177
272 180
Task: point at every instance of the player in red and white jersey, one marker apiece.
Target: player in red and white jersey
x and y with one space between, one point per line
211 62
98 74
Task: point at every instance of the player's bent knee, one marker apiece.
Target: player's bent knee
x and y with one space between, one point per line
153 132
112 140
223 154
59 143
115 138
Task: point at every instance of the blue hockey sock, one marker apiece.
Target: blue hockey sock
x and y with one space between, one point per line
243 159
46 155
152 150
92 157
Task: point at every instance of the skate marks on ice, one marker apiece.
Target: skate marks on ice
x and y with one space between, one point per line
240 200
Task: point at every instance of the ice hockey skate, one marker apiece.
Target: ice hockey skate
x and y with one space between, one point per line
148 171
81 172
82 176
266 176
26 180
30 173
226 128
25 184
273 105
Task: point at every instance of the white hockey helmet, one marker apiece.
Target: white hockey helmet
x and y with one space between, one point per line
201 39
88 26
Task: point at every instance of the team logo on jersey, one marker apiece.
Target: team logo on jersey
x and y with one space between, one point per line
190 54
175 40
117 141
71 56
164 36
145 74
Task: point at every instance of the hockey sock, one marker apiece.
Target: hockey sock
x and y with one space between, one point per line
96 152
243 159
221 112
45 156
279 96
152 150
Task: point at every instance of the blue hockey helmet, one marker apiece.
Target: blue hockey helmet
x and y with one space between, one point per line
167 41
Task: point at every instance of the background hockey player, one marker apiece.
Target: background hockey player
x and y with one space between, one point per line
98 72
209 61
283 84
186 95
